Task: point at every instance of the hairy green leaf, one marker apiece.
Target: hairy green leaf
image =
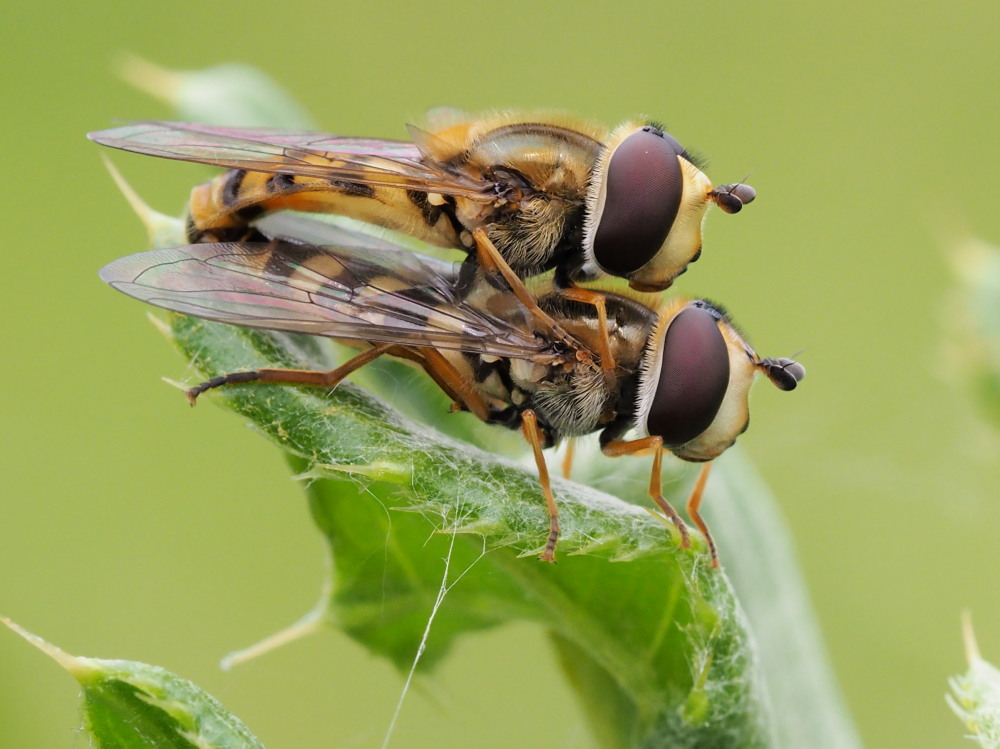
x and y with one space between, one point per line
631 611
131 705
228 94
975 695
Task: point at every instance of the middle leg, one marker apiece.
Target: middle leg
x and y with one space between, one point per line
531 432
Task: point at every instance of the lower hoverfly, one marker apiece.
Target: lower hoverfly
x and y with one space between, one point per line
548 191
678 374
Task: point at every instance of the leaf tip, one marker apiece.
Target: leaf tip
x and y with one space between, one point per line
150 78
307 625
379 470
597 546
536 551
75 665
175 384
969 639
160 227
480 527
161 325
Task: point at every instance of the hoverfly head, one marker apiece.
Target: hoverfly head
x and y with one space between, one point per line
695 379
645 203
685 374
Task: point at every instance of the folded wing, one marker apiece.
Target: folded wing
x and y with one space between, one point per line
364 292
367 161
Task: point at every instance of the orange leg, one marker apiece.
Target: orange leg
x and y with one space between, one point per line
457 387
631 447
567 464
491 261
596 298
445 376
292 376
531 432
440 370
694 502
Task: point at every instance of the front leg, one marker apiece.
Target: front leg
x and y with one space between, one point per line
492 262
598 300
614 448
617 448
694 502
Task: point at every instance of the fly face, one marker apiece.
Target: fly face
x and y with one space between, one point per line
645 207
692 389
548 190
695 381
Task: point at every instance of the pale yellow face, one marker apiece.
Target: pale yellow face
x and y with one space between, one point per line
733 414
683 242
645 207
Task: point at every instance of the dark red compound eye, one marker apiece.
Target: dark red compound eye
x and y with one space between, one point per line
643 186
694 377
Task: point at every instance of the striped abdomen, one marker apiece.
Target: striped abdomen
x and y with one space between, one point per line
222 209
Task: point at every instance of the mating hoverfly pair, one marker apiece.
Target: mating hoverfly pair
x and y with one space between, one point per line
521 196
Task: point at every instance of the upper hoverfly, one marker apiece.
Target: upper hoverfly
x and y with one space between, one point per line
547 191
678 374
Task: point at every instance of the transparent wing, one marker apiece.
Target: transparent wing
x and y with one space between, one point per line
370 161
349 236
363 292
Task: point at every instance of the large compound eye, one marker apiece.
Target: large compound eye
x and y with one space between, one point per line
694 377
643 186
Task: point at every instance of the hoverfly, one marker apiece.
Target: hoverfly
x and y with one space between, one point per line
678 374
548 191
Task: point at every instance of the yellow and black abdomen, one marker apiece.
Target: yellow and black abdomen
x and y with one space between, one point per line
224 208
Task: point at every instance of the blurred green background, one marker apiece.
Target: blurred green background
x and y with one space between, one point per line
134 527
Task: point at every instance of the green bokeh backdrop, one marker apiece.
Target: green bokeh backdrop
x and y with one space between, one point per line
134 527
